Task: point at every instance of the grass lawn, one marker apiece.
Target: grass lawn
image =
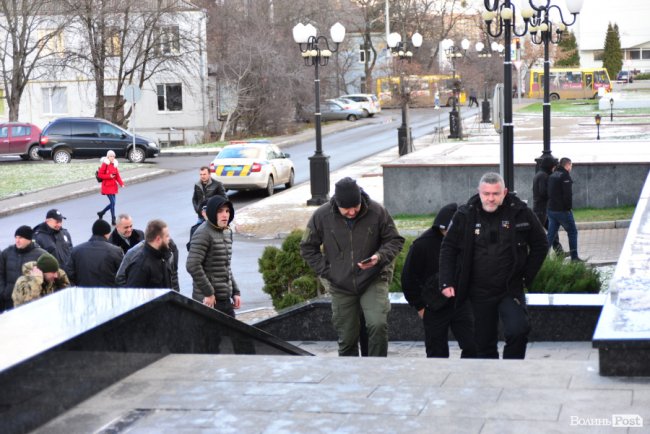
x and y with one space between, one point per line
25 177
424 221
582 107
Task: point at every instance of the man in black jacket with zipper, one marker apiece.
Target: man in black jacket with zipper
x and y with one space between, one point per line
494 248
560 204
152 268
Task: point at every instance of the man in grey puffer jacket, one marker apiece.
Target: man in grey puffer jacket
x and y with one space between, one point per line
208 260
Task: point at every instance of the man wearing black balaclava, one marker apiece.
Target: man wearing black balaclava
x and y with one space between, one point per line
351 243
209 258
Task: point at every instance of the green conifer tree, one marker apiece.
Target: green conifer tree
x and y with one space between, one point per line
612 54
568 53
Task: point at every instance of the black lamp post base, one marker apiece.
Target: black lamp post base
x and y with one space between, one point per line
454 125
319 178
485 112
404 142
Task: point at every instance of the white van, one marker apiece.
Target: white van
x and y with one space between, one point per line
369 102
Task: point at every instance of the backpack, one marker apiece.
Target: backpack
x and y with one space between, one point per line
97 176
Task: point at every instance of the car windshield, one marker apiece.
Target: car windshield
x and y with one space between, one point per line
239 152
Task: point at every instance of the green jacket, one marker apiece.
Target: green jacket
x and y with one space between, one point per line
30 287
332 247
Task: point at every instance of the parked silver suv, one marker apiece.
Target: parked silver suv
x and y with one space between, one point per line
369 102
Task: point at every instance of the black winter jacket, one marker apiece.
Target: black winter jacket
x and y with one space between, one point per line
116 239
132 255
203 192
420 272
540 194
210 255
373 232
57 243
11 266
560 190
94 263
526 234
150 269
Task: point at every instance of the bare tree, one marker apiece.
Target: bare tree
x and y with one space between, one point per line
127 42
32 45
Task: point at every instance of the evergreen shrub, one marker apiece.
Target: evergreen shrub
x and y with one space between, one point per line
560 277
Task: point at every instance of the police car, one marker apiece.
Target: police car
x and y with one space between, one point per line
252 165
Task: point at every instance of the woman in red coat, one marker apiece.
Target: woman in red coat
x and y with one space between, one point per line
110 180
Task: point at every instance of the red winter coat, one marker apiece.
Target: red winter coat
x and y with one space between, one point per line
110 182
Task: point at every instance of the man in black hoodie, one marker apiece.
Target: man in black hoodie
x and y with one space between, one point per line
420 286
210 256
493 250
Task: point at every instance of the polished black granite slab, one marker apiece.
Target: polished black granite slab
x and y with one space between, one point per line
623 332
554 317
61 349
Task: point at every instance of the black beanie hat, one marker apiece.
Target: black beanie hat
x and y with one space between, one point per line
47 263
25 232
347 193
101 227
443 219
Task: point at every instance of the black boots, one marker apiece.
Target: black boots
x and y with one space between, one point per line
100 214
113 221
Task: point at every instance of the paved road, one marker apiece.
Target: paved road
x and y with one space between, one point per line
168 197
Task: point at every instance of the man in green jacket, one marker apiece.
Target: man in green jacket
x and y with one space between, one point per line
351 243
209 258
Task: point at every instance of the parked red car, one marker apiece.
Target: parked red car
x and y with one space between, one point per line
20 138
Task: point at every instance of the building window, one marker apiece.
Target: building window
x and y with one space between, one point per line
51 41
168 41
364 53
634 54
598 54
170 97
55 100
112 42
645 54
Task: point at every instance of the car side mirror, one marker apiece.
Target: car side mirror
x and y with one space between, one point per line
285 155
124 135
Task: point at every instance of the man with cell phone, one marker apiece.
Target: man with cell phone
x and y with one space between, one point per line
351 243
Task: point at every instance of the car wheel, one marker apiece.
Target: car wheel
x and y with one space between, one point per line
268 191
62 156
370 115
352 118
554 97
33 153
136 155
366 113
289 183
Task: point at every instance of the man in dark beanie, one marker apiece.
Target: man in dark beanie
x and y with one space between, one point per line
40 278
11 263
421 290
95 262
351 243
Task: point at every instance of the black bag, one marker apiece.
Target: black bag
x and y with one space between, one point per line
97 176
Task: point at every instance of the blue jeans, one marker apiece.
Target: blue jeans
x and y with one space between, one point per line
564 219
111 205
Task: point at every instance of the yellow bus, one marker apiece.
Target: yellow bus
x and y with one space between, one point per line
569 83
422 90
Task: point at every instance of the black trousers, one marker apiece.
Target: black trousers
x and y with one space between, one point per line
516 326
436 330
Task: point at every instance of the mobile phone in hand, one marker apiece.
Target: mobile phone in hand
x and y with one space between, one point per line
367 261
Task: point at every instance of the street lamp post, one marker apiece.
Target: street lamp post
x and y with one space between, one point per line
400 50
544 31
598 126
453 52
611 109
316 52
485 53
